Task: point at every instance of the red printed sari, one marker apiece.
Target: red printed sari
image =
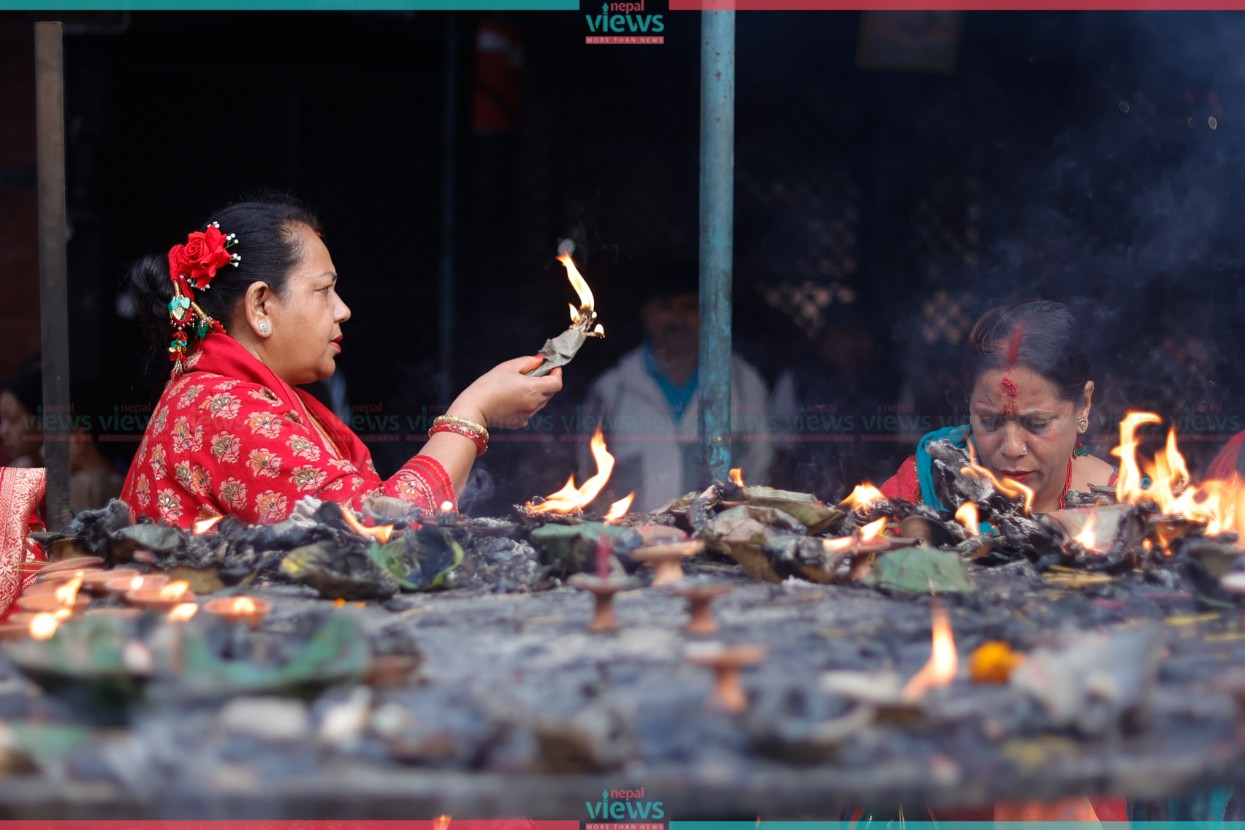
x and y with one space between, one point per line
230 438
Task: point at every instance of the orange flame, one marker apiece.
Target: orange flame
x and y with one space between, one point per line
202 526
863 495
1008 487
872 529
67 593
174 590
380 533
967 515
1219 505
1128 485
441 822
571 498
737 475
619 508
585 315
44 626
943 662
1086 537
183 611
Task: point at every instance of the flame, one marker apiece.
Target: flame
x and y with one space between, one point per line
1007 487
619 508
571 498
441 822
1128 485
242 605
1219 505
447 506
737 475
204 525
587 304
1086 537
67 593
862 496
174 590
872 529
966 515
43 626
183 611
380 533
942 665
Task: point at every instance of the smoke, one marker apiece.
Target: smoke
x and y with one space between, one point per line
1110 177
478 489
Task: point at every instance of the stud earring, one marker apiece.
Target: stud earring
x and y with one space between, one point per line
263 328
1082 424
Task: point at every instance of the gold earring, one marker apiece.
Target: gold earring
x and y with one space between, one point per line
1082 424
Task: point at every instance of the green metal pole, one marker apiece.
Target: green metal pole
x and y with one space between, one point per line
717 217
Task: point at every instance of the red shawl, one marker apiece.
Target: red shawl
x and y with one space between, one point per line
231 438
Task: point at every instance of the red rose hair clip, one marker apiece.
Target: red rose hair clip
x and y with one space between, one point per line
192 267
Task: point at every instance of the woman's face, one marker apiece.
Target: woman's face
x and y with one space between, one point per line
1024 430
306 317
18 430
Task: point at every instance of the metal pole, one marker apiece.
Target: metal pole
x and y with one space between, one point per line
717 216
53 266
449 156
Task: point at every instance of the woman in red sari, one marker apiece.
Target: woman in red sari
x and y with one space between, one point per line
1030 398
248 309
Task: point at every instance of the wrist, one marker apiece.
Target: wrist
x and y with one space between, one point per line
464 427
465 409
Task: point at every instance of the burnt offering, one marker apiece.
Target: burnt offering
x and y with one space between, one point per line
873 652
560 350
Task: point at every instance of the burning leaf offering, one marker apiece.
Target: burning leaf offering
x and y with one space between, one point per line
560 350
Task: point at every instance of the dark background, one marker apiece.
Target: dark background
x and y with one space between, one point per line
878 211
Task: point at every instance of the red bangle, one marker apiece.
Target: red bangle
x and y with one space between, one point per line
476 437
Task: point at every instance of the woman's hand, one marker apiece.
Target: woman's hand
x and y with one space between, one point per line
504 397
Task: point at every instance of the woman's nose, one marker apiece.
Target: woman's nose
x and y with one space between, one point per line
1014 442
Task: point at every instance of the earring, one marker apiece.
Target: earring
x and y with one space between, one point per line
1082 424
263 328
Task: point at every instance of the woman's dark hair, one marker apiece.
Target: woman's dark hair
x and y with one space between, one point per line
1040 335
267 239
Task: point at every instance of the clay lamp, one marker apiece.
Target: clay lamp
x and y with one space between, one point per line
76 563
698 596
726 662
96 581
122 585
46 577
249 610
55 597
666 560
160 597
603 589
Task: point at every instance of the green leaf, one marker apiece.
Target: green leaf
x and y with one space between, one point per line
920 571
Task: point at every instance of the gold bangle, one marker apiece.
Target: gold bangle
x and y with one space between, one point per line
462 422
